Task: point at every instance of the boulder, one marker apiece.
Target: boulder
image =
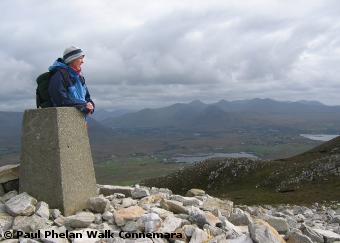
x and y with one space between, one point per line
42 210
127 214
280 224
173 206
171 223
311 233
98 204
80 220
328 236
262 232
195 192
230 228
9 195
29 223
139 192
107 190
199 236
298 237
128 202
6 222
21 205
239 217
151 222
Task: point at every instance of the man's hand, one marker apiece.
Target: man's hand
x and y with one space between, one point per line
90 107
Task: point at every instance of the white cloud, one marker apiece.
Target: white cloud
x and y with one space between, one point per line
153 53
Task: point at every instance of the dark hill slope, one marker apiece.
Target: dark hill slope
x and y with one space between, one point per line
160 117
310 177
214 119
276 107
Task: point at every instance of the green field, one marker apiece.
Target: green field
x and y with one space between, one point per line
130 169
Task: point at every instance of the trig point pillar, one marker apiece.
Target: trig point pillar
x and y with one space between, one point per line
56 160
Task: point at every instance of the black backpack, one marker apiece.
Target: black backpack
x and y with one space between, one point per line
43 98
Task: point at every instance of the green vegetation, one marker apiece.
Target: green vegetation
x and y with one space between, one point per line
129 169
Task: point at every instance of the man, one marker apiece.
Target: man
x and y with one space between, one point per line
72 92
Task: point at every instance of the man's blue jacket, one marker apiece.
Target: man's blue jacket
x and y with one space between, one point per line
76 95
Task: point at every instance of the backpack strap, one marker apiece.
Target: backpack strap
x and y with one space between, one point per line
66 79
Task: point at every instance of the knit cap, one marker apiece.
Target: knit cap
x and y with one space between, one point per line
71 53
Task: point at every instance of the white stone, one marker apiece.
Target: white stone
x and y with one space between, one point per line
140 193
280 224
107 190
151 222
9 195
329 236
296 237
6 221
108 216
80 220
241 239
98 204
2 208
171 223
173 206
128 202
239 217
189 229
55 213
21 205
229 227
262 232
198 236
130 226
29 223
42 210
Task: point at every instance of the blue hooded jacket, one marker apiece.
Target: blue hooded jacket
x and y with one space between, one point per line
76 95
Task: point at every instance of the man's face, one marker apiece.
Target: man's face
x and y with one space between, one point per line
76 63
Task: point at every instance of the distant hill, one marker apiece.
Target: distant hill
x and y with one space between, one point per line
306 102
231 115
312 176
213 118
166 116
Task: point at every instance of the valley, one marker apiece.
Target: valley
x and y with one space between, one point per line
118 161
132 146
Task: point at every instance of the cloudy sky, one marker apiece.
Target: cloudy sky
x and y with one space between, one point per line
154 53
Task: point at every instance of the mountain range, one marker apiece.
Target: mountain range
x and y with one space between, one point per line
226 116
138 129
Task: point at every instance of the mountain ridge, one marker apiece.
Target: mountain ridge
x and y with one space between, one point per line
254 112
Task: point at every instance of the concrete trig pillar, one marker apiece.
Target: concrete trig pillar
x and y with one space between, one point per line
56 161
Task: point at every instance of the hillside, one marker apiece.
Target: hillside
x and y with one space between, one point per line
312 176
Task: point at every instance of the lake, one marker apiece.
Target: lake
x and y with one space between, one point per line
320 137
191 158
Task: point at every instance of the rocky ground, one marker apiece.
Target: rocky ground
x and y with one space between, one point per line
138 214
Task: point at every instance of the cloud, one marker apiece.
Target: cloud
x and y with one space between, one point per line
154 53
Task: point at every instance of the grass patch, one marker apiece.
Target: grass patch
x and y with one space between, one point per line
129 169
